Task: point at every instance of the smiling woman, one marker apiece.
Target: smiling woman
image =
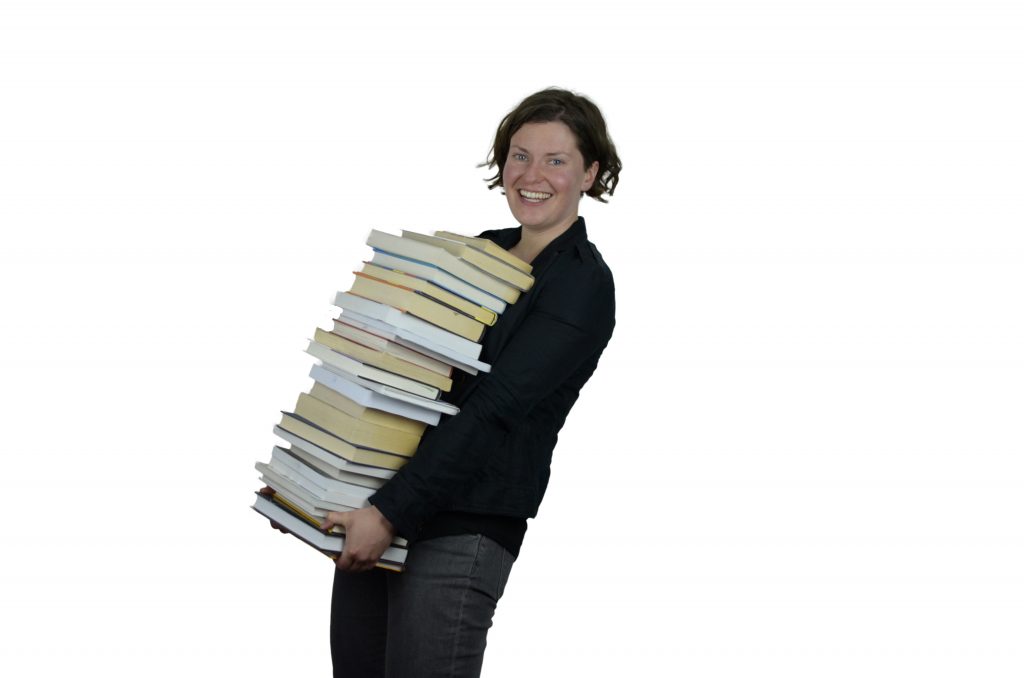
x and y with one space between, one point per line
463 500
550 151
544 177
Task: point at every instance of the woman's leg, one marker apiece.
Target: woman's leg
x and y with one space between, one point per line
441 607
359 624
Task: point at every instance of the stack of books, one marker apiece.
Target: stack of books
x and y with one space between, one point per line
416 312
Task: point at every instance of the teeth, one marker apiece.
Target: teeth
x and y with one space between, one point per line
534 195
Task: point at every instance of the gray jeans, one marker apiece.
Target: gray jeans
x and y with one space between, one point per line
430 620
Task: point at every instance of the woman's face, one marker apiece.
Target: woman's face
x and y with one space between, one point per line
544 176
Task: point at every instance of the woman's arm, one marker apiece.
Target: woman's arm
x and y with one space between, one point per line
570 321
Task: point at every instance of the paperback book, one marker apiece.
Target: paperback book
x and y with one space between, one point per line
416 313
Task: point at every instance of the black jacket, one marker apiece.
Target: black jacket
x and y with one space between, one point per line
494 456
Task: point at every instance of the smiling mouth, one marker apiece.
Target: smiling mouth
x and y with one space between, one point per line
534 196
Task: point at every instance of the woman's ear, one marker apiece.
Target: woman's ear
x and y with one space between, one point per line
590 175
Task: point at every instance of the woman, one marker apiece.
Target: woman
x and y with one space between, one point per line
464 498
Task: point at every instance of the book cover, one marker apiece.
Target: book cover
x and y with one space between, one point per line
393 557
488 247
440 257
345 363
439 294
384 361
439 277
345 326
505 272
359 391
339 447
353 430
415 327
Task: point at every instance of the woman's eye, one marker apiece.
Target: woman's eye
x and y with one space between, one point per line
557 161
519 156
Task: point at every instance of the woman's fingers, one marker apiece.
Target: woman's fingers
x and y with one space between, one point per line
367 535
334 518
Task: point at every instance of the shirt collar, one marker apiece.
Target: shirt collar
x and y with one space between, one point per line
574 236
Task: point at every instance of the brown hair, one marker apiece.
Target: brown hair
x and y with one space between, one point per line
581 116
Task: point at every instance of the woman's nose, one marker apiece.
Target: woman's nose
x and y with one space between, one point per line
533 172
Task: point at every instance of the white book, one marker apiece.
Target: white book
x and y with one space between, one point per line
359 391
321 485
297 495
331 459
439 406
357 332
440 257
350 365
281 457
303 497
332 543
392 316
415 342
442 279
332 473
502 270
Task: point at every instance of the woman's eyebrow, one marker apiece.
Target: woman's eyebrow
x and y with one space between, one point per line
517 147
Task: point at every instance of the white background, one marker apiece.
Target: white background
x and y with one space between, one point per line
801 455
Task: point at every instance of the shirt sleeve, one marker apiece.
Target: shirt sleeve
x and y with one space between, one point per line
572 318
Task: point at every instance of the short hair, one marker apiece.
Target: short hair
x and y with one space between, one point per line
581 116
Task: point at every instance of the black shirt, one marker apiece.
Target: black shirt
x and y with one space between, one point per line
493 458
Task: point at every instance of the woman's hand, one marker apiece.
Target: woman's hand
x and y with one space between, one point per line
367 534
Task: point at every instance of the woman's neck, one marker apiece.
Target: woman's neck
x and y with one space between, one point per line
532 243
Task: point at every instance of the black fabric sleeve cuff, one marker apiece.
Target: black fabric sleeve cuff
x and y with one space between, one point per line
403 508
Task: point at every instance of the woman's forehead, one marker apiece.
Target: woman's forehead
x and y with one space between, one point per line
545 137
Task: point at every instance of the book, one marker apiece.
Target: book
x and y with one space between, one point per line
412 316
354 331
496 267
311 503
404 321
308 531
400 542
329 471
441 278
385 361
339 447
367 414
353 430
398 394
349 365
336 529
429 289
439 406
416 342
360 392
392 394
320 484
409 300
488 247
440 257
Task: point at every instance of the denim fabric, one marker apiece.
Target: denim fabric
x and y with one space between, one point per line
429 621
